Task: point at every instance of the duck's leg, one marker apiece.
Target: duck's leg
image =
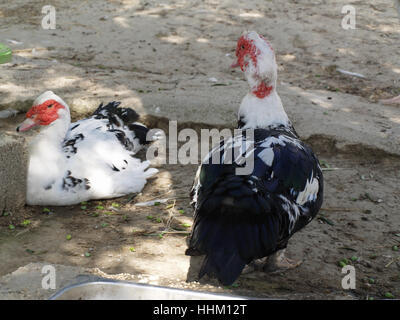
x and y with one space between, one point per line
255 265
278 262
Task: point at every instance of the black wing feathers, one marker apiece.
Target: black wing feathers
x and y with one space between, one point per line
118 117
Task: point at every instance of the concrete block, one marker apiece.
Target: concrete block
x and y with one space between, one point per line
13 173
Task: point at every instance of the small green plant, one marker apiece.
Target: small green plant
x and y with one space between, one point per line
26 223
344 262
389 295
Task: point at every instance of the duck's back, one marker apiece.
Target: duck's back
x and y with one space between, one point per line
110 133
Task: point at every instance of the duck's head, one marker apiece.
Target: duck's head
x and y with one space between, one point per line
256 58
46 109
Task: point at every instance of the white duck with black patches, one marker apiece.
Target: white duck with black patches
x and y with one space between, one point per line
92 158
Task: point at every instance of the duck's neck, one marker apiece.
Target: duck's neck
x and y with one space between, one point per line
262 108
48 142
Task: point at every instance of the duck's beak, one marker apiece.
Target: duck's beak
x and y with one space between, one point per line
26 125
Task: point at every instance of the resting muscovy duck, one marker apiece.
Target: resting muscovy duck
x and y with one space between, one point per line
89 159
240 219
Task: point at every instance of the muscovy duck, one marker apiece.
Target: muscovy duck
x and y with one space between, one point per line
93 158
241 219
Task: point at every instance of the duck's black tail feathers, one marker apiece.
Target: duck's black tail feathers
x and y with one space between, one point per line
119 117
233 226
114 114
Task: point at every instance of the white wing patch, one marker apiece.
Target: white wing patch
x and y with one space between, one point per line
292 211
310 191
267 155
236 149
242 148
281 140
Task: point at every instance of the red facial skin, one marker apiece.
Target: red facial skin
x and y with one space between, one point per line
45 113
246 47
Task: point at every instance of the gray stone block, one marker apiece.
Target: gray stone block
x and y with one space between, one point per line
13 173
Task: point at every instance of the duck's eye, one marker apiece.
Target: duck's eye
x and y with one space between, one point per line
242 46
49 106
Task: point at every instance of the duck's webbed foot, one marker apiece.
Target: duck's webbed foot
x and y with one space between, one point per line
278 262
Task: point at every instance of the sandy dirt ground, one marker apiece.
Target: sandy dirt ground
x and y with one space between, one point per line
170 61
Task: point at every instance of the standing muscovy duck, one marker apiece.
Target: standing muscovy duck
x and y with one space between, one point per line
89 159
240 219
